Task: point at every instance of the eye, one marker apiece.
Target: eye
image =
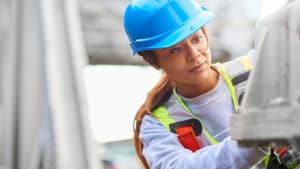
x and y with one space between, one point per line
176 50
198 38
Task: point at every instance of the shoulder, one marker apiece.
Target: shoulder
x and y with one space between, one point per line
238 71
241 64
152 130
149 120
151 125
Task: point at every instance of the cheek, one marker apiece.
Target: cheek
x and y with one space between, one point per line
207 55
171 62
173 69
209 60
176 72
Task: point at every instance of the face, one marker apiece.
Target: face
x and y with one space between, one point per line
188 62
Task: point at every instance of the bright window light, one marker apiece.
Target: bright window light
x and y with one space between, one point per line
114 94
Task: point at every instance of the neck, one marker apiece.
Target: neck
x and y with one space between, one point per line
197 89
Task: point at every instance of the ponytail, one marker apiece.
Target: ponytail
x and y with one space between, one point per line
160 93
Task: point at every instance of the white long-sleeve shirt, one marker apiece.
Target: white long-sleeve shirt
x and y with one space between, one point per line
162 149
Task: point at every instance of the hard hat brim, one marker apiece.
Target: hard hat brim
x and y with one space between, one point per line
173 37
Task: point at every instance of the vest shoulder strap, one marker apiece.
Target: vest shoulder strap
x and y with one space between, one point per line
161 114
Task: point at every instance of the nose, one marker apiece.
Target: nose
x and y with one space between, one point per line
193 52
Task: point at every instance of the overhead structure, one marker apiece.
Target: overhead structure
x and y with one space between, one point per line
270 111
107 43
43 112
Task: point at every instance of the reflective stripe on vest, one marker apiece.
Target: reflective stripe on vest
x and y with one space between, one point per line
244 63
229 85
161 114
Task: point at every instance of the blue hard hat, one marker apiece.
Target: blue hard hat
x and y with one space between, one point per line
155 24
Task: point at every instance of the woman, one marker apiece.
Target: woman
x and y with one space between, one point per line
184 122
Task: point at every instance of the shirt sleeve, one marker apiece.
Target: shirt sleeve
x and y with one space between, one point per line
252 56
162 150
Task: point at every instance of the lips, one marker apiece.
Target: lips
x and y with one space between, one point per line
197 68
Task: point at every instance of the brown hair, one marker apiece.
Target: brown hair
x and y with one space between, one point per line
157 96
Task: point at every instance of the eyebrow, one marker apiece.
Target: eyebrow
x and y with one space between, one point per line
199 33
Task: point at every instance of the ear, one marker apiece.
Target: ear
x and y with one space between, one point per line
151 60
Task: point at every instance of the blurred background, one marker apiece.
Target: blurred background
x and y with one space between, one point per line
73 60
